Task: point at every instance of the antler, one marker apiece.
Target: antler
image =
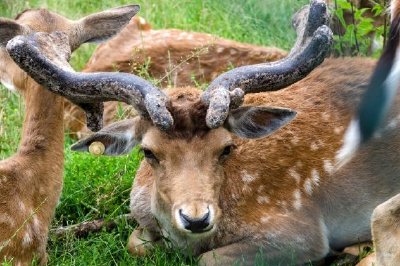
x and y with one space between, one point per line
40 58
312 46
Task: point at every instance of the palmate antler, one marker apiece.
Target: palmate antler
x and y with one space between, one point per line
226 92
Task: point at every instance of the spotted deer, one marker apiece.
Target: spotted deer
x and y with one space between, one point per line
31 179
174 57
225 175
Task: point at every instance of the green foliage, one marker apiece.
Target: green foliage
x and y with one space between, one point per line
360 32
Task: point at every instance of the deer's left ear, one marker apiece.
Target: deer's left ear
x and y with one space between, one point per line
101 26
256 122
9 29
117 138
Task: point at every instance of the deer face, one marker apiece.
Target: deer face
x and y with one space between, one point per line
187 177
96 27
188 160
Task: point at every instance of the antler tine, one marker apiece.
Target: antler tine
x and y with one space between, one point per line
311 48
89 90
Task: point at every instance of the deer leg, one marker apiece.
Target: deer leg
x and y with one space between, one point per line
141 242
386 231
247 253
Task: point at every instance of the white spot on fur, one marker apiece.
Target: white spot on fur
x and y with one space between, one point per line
297 199
294 140
352 139
21 206
262 199
316 145
315 177
220 49
265 219
3 179
308 187
6 219
35 224
294 175
26 240
326 117
28 173
328 166
233 51
247 178
260 188
235 196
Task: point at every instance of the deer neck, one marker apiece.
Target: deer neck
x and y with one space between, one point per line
42 132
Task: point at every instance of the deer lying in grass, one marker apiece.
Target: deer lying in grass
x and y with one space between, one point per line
172 56
375 116
31 180
212 184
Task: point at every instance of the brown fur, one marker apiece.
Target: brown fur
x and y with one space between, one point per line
279 193
176 57
31 180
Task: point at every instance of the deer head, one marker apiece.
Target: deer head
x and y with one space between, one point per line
187 136
93 28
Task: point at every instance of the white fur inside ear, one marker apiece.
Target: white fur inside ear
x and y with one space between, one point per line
351 142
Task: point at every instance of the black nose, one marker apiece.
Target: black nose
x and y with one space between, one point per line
195 225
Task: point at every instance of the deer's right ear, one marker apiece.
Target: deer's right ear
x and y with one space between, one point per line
9 29
115 139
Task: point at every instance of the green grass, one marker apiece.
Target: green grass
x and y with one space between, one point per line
97 187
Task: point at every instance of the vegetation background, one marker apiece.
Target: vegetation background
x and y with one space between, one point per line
98 187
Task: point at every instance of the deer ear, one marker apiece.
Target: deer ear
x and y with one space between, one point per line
115 139
9 29
103 25
255 122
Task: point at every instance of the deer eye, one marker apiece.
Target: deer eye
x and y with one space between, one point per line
226 152
148 154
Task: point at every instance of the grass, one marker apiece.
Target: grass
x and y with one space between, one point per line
97 187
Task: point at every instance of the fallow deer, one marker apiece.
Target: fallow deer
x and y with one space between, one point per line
212 184
172 56
31 180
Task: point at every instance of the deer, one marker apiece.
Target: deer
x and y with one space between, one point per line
172 56
245 170
31 179
376 113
